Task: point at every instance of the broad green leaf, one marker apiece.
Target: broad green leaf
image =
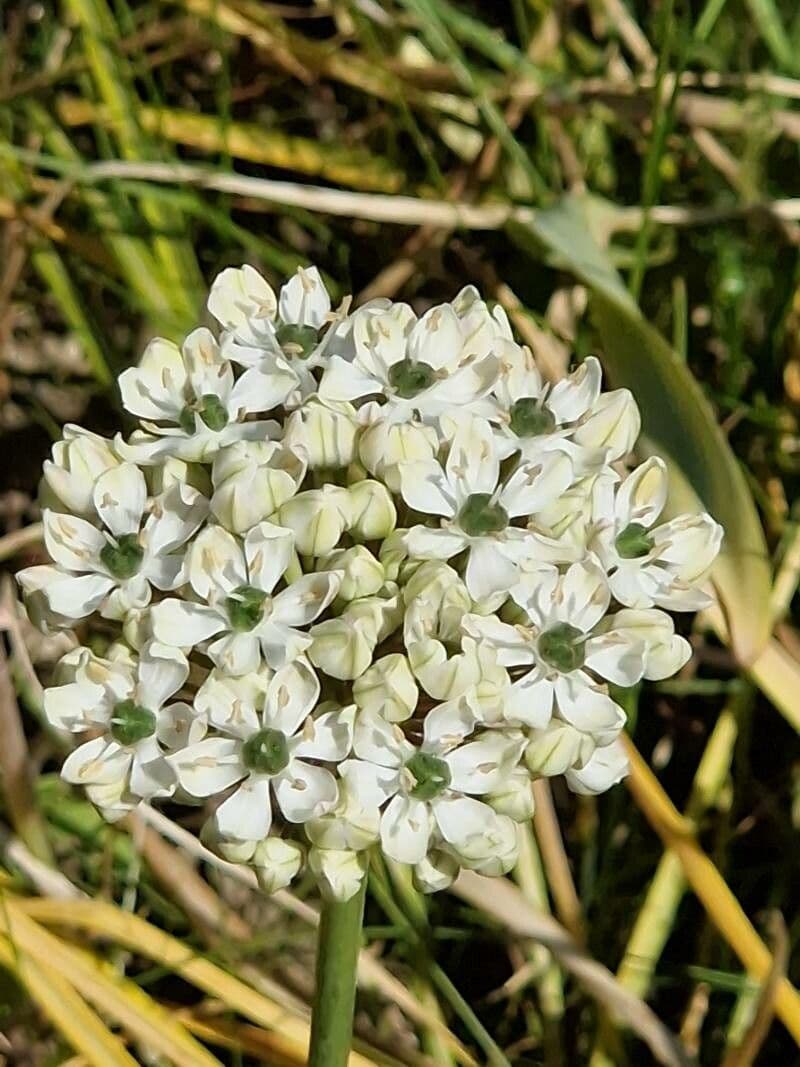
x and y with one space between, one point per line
678 422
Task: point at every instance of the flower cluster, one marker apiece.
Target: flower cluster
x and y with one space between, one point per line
369 574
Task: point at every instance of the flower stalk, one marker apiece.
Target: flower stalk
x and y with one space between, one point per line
338 945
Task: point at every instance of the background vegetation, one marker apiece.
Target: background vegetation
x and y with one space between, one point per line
621 177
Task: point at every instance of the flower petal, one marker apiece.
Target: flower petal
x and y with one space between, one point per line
215 563
305 599
162 671
369 783
208 767
181 623
247 813
292 695
406 830
120 495
426 488
328 736
305 792
482 766
73 543
268 549
77 596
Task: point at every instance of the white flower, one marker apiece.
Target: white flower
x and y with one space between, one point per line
534 416
78 461
127 701
425 368
562 644
189 403
235 582
430 787
112 569
665 651
477 508
251 481
278 341
514 797
655 564
267 752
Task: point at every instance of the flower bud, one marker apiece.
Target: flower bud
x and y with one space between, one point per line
112 800
384 613
78 461
384 445
436 872
340 872
492 851
362 574
449 677
393 554
554 748
348 827
34 582
436 600
343 647
324 432
229 849
515 799
252 479
318 518
388 688
276 862
613 424
604 768
372 514
172 471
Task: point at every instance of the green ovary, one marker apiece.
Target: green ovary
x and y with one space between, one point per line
634 542
297 340
131 723
480 516
210 409
432 776
245 606
409 378
562 647
530 418
124 558
266 752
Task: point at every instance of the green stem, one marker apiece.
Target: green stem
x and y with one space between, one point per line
338 945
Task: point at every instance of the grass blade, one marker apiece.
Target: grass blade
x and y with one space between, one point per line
708 884
65 1008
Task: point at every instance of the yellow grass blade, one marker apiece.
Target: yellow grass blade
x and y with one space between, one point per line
355 167
65 1009
291 1033
143 1018
708 884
